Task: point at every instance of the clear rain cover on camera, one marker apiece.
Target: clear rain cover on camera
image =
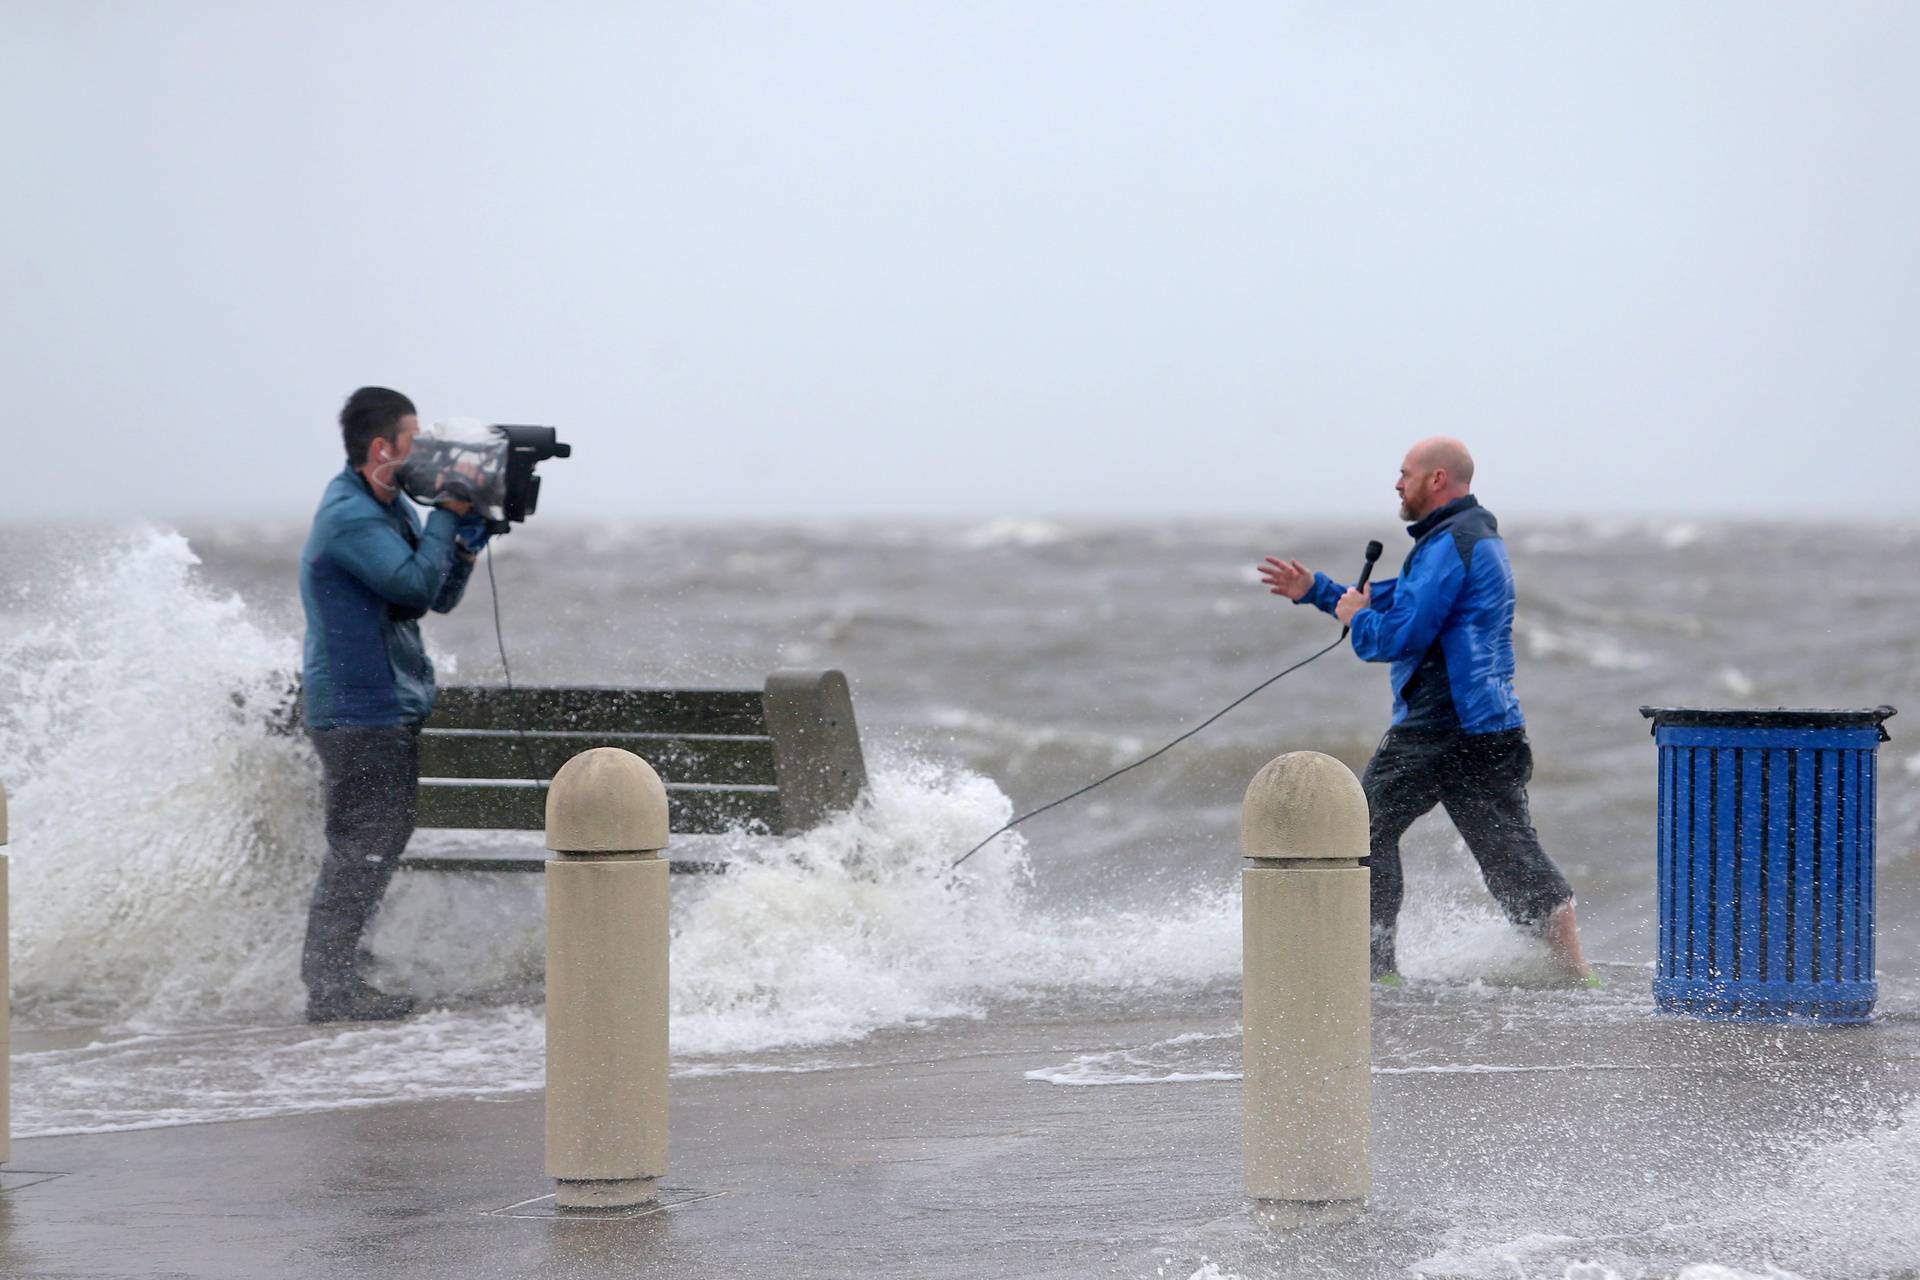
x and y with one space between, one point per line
460 458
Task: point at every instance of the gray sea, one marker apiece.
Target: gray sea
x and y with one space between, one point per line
164 839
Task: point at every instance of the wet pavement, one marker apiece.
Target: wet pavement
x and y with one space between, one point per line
1514 1132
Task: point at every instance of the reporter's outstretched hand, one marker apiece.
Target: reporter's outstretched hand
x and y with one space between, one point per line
1287 578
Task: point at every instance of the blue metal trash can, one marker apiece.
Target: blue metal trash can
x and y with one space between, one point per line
1765 841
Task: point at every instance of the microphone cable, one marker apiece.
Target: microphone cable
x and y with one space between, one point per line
1373 554
1144 759
534 773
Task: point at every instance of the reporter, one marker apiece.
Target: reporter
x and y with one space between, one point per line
1458 737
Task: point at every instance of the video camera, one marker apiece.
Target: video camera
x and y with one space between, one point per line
488 466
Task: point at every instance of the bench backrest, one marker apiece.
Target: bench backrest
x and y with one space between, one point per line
781 758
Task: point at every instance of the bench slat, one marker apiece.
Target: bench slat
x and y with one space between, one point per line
600 710
692 810
532 861
491 753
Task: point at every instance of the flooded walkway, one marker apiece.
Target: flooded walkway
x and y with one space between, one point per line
1515 1133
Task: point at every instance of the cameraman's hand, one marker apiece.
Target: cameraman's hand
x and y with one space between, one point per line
1287 578
472 535
456 490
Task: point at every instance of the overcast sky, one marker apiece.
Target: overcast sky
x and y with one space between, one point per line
969 259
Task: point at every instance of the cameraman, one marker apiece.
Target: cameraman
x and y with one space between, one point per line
370 570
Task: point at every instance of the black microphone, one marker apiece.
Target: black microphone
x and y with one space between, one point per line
1373 553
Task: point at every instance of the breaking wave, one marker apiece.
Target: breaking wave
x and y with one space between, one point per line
166 837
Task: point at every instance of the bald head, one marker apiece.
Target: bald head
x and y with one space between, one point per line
1435 472
1444 453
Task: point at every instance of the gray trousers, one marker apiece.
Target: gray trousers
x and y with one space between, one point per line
1482 780
372 778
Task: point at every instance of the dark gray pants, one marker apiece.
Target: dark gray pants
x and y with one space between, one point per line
1482 781
372 778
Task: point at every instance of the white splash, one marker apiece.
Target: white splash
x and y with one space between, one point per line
1785 1217
1595 648
159 1080
862 924
164 839
1013 533
1678 537
1195 1057
1446 939
1204 1057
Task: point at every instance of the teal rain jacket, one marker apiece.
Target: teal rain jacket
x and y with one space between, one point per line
1446 624
367 575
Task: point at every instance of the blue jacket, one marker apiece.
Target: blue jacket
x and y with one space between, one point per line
367 575
1446 624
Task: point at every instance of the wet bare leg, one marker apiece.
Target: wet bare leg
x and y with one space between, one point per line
1562 932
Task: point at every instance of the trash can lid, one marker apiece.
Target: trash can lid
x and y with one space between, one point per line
1771 717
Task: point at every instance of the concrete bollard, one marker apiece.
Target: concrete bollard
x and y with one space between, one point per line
1306 999
606 981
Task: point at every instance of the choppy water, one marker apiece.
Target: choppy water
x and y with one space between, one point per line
165 842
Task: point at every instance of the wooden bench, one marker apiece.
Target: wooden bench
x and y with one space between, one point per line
777 760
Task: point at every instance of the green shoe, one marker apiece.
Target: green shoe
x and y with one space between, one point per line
1390 979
